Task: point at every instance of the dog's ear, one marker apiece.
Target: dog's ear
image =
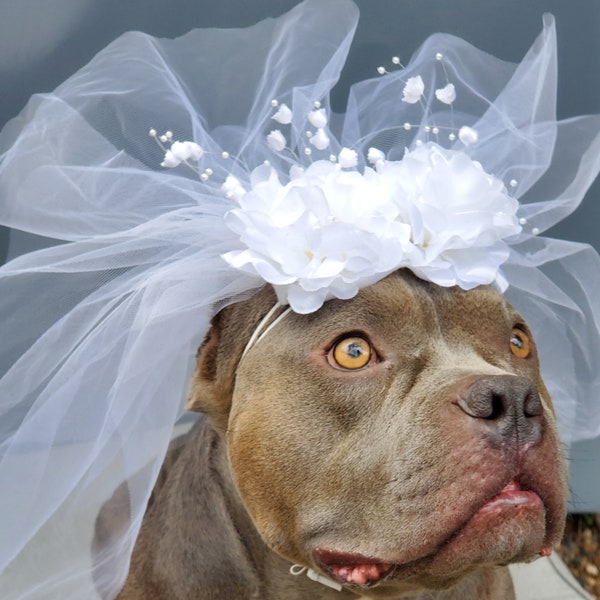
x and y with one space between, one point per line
206 357
211 388
219 354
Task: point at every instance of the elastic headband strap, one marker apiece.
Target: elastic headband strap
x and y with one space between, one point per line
264 327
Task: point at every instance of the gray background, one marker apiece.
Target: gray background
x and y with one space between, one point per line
42 42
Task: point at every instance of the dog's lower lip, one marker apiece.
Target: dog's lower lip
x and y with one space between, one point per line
511 495
348 567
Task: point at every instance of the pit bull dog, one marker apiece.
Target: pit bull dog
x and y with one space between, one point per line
400 444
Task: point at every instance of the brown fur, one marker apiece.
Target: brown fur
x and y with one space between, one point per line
296 456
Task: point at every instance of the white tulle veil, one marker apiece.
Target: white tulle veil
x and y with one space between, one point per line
99 329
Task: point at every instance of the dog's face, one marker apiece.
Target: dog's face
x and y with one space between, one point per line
397 440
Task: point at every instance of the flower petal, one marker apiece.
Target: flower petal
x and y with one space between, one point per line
467 135
320 140
348 158
374 156
170 160
447 94
318 118
413 90
283 115
276 140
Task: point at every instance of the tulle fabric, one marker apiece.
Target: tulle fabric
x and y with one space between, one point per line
100 328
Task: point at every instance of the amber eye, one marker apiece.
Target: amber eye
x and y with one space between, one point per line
519 343
351 353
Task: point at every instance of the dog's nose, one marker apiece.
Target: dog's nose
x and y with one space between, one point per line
507 406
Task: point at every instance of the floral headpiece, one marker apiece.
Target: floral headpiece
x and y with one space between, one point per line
330 229
452 166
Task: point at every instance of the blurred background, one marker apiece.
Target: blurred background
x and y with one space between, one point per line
43 42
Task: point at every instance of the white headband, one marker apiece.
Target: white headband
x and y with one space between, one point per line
264 326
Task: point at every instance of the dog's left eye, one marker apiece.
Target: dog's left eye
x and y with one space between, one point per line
351 353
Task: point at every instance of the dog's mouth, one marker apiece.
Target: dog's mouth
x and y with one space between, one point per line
346 567
361 570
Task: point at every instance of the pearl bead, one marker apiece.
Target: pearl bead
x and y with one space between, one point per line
439 56
513 183
427 128
396 60
452 137
204 177
163 138
535 231
435 130
317 104
522 221
169 134
332 157
309 134
209 172
381 70
225 155
307 151
274 103
407 126
152 133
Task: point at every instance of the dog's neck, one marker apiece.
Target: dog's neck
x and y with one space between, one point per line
217 551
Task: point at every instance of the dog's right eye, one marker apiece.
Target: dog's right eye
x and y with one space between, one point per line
351 353
519 343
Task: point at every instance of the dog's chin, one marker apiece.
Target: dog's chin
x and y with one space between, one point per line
510 527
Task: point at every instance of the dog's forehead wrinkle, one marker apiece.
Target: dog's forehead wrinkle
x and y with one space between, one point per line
482 306
383 300
461 357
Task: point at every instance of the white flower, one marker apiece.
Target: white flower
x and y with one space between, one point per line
348 158
467 135
186 151
283 115
324 234
329 232
170 160
375 156
447 94
232 188
318 118
459 215
276 140
320 140
413 90
181 152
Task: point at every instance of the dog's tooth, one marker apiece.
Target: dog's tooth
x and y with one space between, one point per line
341 572
359 576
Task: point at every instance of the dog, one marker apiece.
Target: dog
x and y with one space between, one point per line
400 444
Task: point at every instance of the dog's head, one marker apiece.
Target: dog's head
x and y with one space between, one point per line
399 439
